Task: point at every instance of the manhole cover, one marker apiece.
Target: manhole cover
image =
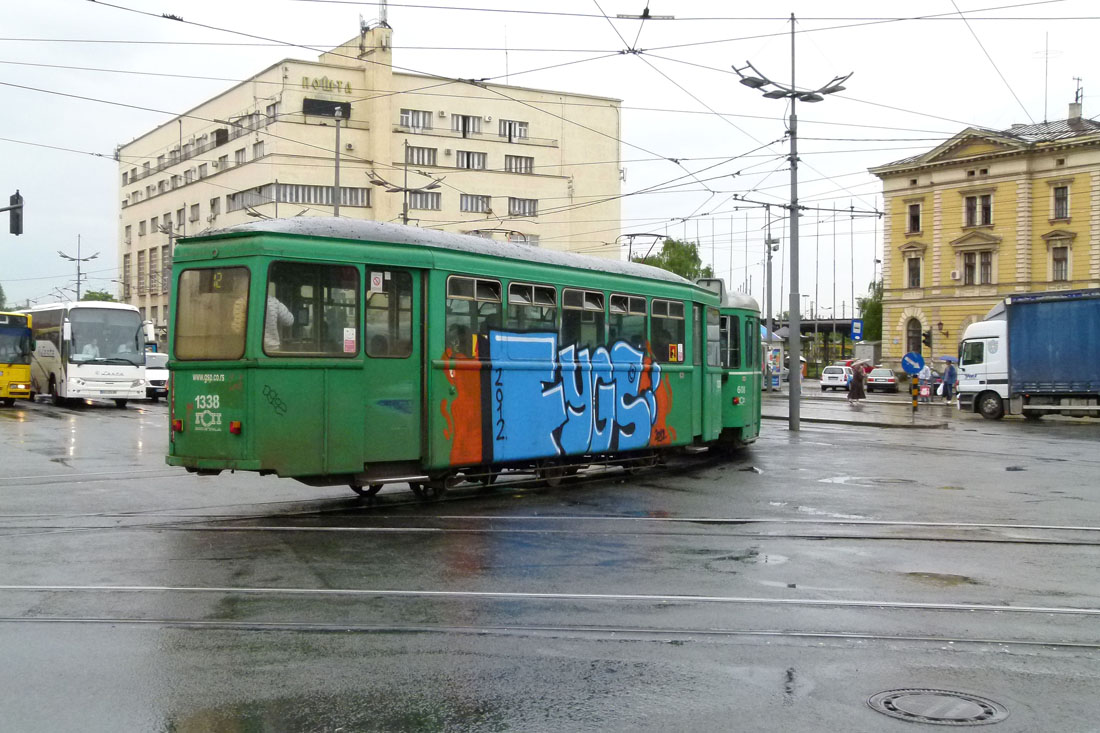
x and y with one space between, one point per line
938 707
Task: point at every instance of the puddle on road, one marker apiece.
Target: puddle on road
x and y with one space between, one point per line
951 488
752 556
943 579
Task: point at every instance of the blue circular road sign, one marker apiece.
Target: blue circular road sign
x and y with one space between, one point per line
912 362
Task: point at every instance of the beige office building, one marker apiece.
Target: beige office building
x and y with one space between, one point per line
534 166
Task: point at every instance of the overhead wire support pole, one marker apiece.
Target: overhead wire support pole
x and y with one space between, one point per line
780 91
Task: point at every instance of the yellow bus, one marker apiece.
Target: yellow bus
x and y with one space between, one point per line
16 347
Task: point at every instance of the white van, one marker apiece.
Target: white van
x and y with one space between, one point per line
156 375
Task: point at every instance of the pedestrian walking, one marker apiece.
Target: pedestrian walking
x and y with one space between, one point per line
924 382
950 375
855 385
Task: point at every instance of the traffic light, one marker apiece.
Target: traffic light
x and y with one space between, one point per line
15 213
926 338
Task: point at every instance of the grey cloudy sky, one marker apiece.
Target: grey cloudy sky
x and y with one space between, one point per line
916 82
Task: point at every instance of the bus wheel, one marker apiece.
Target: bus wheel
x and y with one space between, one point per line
58 400
8 402
120 403
365 491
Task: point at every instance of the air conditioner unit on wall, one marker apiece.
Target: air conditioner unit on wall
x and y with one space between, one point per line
349 146
442 113
488 118
446 151
954 274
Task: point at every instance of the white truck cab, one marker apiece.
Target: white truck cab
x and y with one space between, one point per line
983 368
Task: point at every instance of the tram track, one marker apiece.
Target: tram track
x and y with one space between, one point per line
604 633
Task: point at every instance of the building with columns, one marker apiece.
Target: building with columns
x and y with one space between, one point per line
987 214
535 166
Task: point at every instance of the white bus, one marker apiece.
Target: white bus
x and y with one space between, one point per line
89 350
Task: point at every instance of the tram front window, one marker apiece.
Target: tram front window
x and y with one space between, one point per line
106 335
211 313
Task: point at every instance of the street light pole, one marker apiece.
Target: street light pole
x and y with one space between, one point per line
770 245
781 91
78 259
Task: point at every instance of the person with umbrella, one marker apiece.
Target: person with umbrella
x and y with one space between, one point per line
859 376
950 376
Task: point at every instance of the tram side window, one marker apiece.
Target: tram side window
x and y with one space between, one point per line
211 313
389 315
473 308
532 308
717 337
667 330
583 323
627 321
752 337
731 352
310 309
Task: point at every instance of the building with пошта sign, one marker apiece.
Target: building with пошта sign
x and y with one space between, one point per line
518 163
983 216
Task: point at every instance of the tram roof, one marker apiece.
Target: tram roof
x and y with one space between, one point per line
739 300
375 231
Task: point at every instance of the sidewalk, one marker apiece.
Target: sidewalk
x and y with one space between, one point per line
877 411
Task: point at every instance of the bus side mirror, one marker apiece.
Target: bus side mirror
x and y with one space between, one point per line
67 331
150 334
34 345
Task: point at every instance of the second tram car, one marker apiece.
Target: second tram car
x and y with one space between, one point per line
350 351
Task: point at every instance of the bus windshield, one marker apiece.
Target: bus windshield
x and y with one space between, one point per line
15 340
106 336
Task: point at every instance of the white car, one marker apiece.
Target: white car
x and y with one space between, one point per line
156 375
835 377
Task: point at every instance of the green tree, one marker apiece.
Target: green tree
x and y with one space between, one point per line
681 258
98 295
871 308
3 299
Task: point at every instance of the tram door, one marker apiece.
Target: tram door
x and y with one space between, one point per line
392 373
712 379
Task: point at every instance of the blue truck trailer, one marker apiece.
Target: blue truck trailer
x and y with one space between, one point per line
1035 354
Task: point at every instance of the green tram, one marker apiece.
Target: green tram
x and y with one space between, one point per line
348 351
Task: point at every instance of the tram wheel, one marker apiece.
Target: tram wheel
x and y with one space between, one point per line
549 472
432 489
366 491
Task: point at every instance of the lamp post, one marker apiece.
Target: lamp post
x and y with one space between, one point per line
791 92
377 180
78 259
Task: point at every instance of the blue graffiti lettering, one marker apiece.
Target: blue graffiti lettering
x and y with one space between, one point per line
545 401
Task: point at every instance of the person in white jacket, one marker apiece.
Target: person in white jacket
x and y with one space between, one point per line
924 379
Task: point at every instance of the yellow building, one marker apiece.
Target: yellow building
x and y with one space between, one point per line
515 162
982 216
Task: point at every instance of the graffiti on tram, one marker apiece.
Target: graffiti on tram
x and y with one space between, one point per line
538 400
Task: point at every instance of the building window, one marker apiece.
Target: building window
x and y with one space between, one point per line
466 124
189 175
257 150
175 181
979 210
153 314
165 268
513 130
215 206
180 212
1059 264
125 276
523 207
416 119
141 272
129 232
238 156
162 186
160 162
913 264
985 270
1061 202
914 219
202 171
912 336
194 213
223 162
519 164
125 177
470 160
141 228
473 203
429 200
153 227
272 112
419 156
970 268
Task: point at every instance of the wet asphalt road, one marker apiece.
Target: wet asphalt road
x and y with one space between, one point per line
776 591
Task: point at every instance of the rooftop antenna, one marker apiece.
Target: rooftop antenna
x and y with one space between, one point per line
1079 95
383 14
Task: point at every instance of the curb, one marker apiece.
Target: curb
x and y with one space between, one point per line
861 423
